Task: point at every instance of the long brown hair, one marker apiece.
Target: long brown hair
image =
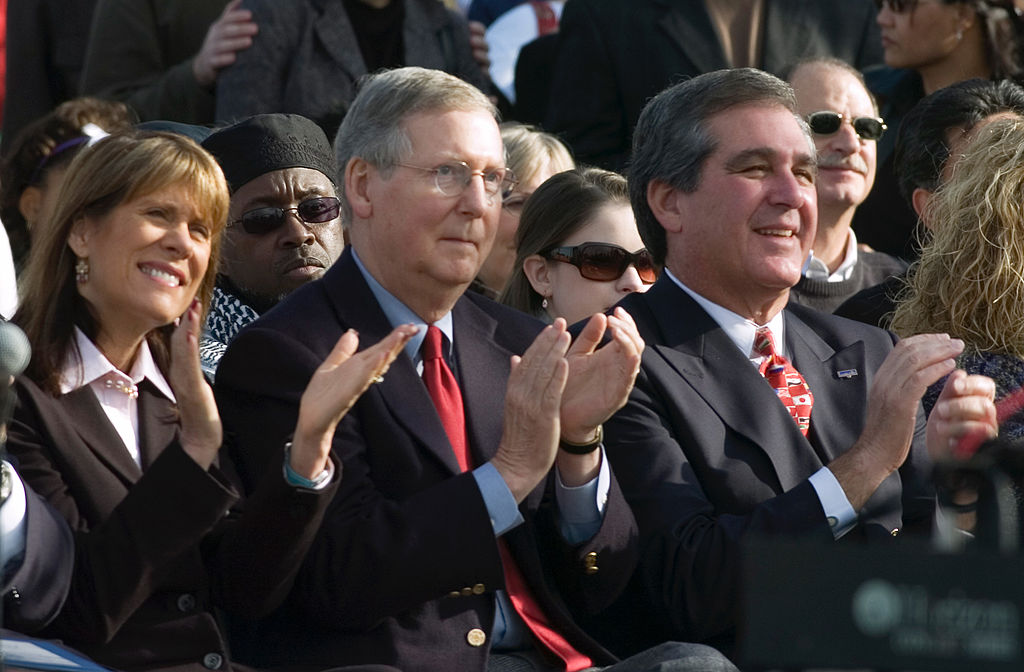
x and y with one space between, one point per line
117 169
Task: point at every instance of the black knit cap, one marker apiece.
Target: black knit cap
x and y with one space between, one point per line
268 142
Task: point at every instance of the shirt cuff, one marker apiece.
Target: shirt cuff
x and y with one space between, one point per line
501 505
12 524
840 515
581 508
293 478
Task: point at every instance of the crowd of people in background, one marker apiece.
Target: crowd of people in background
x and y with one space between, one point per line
351 351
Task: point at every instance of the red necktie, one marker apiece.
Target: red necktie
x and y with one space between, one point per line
547 22
444 392
785 379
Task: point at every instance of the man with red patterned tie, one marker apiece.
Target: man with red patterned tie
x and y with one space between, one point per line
750 417
477 514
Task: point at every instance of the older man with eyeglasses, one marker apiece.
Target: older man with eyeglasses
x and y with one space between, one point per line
284 224
477 517
843 118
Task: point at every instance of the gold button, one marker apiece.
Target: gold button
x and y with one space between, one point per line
467 591
476 637
895 531
455 593
479 589
590 559
590 569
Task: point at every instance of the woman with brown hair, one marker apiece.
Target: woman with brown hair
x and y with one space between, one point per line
117 429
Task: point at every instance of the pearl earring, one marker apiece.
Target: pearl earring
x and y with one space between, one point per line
82 270
544 304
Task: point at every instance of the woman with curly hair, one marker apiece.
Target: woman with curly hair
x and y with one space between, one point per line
969 281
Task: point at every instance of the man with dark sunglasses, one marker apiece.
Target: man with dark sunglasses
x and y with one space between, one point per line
284 223
844 123
750 417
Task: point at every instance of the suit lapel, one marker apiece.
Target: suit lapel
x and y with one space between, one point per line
787 33
834 395
157 423
402 391
483 395
92 426
688 25
333 30
697 348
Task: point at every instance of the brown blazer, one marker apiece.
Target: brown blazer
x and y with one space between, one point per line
156 549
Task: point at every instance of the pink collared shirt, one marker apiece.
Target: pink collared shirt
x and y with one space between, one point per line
116 391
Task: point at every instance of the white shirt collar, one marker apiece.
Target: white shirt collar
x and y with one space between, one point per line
739 329
94 364
816 269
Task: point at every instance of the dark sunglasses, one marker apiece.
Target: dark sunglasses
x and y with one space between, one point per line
828 122
604 262
311 211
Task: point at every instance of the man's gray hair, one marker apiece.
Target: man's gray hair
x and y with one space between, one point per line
373 127
672 141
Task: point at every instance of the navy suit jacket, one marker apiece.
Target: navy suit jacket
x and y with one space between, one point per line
708 457
405 565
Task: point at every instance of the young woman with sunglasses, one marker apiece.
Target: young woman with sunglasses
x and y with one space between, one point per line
928 45
578 248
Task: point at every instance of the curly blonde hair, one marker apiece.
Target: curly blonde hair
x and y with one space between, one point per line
969 281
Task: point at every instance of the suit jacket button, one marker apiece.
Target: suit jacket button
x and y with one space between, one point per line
467 591
186 602
590 563
479 589
476 637
455 593
895 531
213 661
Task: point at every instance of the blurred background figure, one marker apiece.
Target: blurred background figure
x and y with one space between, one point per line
163 57
32 172
284 223
46 42
310 61
926 151
929 44
968 281
604 72
845 125
8 278
533 156
578 248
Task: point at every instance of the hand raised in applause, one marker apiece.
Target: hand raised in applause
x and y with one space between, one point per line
533 396
335 386
230 33
201 432
900 382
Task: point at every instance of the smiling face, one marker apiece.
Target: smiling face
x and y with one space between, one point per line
741 238
846 163
147 258
421 245
268 266
574 297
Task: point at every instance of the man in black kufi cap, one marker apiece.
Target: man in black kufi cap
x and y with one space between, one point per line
284 224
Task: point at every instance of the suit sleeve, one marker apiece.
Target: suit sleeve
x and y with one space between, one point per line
255 82
126 61
585 106
690 551
36 591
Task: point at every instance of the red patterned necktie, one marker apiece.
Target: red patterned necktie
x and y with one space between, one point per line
444 392
785 379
